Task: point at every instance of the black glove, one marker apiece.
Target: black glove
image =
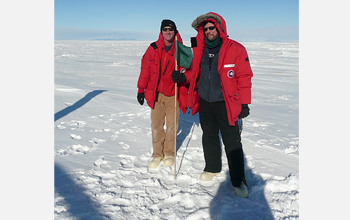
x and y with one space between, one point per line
245 111
178 77
141 98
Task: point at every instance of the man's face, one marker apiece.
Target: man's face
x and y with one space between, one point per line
210 34
168 33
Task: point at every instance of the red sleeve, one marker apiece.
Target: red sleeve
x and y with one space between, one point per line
145 69
243 76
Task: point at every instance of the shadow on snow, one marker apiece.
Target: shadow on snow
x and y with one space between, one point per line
80 204
226 205
78 104
186 126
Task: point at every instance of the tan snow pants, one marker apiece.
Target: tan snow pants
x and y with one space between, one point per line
164 112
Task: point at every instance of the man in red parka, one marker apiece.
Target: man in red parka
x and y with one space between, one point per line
156 86
220 90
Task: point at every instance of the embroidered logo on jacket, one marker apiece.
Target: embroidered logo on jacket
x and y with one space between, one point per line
230 73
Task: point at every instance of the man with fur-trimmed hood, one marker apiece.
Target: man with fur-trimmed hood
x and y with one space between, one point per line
220 90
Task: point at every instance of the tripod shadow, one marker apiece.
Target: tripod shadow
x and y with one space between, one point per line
78 104
226 205
186 127
186 124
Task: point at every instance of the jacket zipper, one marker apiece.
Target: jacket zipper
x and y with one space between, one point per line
211 57
166 67
209 85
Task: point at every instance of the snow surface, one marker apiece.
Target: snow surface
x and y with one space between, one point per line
103 141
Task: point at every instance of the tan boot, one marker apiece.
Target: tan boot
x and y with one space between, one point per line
168 161
241 191
155 162
207 176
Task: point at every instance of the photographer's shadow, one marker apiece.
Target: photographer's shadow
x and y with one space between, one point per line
226 205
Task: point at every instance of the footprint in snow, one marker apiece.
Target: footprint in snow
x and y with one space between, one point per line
75 136
61 126
115 136
100 161
124 145
96 141
74 149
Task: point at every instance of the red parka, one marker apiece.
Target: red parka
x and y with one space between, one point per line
155 76
233 67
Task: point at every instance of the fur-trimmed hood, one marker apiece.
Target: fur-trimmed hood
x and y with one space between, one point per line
210 16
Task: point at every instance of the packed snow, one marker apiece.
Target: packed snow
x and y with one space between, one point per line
103 141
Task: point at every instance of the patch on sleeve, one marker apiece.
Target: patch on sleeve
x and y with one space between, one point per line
230 73
247 59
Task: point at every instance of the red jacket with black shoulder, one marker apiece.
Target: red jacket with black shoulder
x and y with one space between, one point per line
157 66
233 67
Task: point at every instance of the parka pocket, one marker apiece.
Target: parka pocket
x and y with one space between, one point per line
230 80
231 90
235 105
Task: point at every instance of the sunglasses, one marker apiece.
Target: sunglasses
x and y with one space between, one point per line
210 28
166 29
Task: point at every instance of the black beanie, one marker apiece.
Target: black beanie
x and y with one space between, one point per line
167 22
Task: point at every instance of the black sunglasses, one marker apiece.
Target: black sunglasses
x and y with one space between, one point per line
210 28
166 29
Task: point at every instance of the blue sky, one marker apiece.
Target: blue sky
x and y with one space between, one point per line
268 20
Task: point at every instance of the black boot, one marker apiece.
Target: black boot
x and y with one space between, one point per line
236 166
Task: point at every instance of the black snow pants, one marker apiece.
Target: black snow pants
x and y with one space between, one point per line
213 118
